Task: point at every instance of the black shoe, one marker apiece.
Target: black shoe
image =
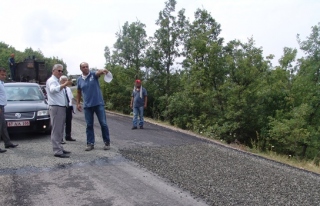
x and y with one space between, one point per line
141 127
70 139
62 155
66 152
63 142
11 146
2 150
134 128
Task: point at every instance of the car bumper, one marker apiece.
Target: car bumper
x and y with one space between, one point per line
23 126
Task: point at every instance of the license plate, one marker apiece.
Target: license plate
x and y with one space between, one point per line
19 124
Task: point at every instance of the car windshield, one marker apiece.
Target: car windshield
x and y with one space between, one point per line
23 93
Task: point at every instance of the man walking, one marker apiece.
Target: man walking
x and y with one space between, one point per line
89 89
138 103
58 103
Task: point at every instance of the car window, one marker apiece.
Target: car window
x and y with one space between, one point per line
24 93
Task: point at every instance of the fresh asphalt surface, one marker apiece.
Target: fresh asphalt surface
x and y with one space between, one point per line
153 166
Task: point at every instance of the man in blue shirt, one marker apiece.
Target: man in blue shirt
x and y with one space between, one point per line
3 102
89 88
138 103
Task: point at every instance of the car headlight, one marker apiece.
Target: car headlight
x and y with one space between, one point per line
43 113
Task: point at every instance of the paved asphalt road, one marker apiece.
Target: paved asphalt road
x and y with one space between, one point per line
153 172
31 175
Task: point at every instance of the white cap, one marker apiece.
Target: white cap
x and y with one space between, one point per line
108 77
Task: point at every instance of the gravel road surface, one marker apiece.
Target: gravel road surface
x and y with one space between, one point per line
153 166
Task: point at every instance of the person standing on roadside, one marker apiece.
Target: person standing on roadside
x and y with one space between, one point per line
88 87
69 110
3 102
12 66
138 103
58 104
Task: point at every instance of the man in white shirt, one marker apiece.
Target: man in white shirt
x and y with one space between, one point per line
58 103
69 110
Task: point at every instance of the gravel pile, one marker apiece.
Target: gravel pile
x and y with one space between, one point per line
223 176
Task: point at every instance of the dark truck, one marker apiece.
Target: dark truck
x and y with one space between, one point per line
31 70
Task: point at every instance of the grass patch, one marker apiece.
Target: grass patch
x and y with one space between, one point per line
302 164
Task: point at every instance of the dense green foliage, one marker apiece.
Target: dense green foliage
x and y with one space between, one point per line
225 90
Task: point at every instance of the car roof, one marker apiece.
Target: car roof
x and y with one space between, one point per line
21 84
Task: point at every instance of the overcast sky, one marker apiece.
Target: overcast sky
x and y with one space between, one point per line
79 30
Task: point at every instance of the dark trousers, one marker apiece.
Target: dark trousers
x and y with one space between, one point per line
69 111
3 128
12 74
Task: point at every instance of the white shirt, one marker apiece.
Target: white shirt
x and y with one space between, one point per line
56 96
3 97
84 76
70 95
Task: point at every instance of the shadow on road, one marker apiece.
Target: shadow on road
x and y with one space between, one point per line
28 136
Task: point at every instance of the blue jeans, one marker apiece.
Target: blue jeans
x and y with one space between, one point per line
101 114
137 111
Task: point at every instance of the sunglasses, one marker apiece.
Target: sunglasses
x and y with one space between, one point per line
60 71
